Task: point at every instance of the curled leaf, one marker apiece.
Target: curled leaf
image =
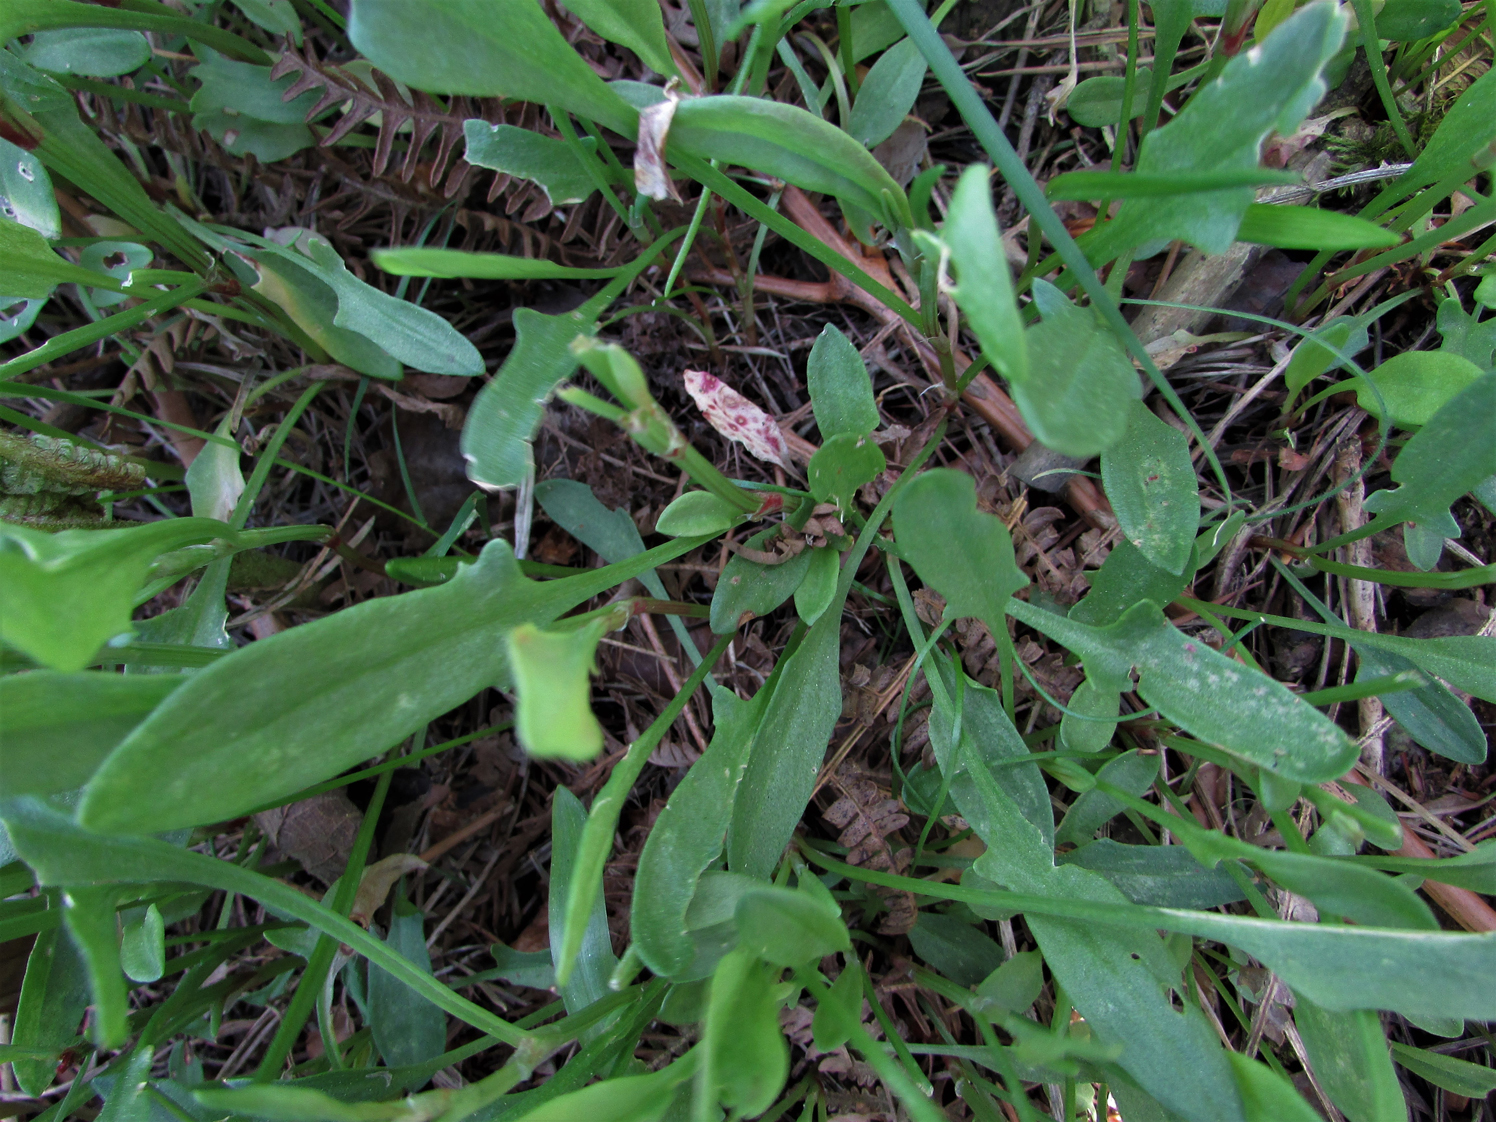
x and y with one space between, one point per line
650 176
737 418
377 881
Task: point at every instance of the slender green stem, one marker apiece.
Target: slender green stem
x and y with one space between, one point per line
310 990
685 247
892 1073
602 818
267 459
1373 47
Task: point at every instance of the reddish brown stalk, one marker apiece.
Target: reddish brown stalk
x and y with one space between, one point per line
983 395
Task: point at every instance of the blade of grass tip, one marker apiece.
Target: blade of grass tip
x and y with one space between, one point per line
410 489
81 337
1373 48
311 987
889 1070
358 400
602 818
707 35
984 127
460 522
267 458
596 170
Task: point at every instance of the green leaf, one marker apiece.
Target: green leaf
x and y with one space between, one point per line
990 743
276 16
91 924
312 305
1416 385
525 153
841 393
985 291
977 577
214 481
73 149
635 24
1150 481
524 968
60 851
27 190
788 927
1167 876
1342 889
1014 986
54 995
954 947
747 1058
787 750
409 333
1125 578
688 835
1445 459
1216 698
26 17
612 533
96 51
1132 771
1430 714
1464 334
594 964
1466 128
507 411
241 106
552 679
70 592
843 464
32 270
1311 359
839 1013
1350 1058
278 715
1404 21
1089 736
1081 386
1459 1077
698 512
1266 1094
1307 227
1475 869
469 47
788 143
1097 102
1221 129
1131 185
126 258
142 949
751 588
407 1028
625 1098
815 593
887 94
290 1102
418 261
58 727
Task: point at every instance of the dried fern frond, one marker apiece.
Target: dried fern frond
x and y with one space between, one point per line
378 94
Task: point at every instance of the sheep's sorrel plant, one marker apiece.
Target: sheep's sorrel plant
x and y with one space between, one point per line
1273 962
